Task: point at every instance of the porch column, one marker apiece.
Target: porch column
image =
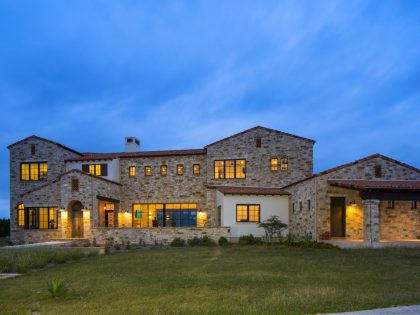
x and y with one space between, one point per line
371 220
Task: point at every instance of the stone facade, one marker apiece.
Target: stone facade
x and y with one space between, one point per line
401 222
319 192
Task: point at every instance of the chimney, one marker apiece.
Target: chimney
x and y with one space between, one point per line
132 144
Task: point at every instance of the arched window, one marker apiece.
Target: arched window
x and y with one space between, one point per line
21 215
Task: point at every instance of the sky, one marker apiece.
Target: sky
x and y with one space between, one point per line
182 74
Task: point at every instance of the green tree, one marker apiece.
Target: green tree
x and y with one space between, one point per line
273 227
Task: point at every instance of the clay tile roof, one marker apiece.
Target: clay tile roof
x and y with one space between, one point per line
109 156
264 128
230 190
377 184
45 140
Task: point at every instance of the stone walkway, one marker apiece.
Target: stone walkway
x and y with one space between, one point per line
400 310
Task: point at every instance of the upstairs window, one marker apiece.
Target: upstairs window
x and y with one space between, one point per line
33 171
96 169
196 169
284 164
378 171
147 171
180 169
258 142
33 150
227 169
21 215
132 171
163 170
247 213
74 184
274 164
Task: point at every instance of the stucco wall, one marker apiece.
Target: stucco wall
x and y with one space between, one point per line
269 206
113 167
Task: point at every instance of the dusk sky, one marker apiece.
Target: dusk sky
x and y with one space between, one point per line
183 74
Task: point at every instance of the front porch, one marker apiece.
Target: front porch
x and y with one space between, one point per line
375 214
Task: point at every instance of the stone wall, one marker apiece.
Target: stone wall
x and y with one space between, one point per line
154 236
399 223
258 172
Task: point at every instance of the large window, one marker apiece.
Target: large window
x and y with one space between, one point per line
147 171
21 215
226 169
33 171
167 215
247 213
40 218
96 169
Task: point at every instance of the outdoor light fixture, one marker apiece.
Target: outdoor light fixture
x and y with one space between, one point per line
352 203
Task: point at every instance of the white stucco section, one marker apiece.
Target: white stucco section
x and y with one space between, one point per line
269 206
113 167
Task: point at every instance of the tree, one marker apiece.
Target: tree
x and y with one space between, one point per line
273 227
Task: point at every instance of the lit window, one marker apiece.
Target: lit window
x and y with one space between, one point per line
196 169
96 169
284 164
41 218
21 215
163 170
274 163
147 170
247 213
33 171
132 171
229 169
180 169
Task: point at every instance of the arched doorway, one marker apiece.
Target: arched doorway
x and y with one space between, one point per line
76 219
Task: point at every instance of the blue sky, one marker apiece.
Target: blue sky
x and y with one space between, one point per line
181 74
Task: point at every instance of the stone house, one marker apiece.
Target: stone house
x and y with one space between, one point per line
223 189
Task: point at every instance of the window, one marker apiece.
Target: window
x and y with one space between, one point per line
258 142
391 204
300 206
274 164
180 169
163 170
147 171
196 169
378 171
167 214
309 204
284 164
96 169
21 215
74 184
414 204
247 213
226 169
33 150
41 218
33 171
132 171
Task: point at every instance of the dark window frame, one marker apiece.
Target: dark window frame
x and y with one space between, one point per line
29 172
103 167
224 169
74 184
247 212
284 158
258 142
413 204
391 204
35 213
378 171
33 149
147 167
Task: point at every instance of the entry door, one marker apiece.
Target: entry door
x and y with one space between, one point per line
109 218
338 217
77 224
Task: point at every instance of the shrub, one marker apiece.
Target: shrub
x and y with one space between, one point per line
207 241
249 240
178 242
4 227
273 227
223 241
195 241
56 288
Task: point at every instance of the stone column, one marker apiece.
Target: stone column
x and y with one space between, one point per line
371 220
86 224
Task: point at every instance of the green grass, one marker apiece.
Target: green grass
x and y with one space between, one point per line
24 259
222 280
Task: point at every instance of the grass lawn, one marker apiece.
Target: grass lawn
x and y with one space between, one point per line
232 280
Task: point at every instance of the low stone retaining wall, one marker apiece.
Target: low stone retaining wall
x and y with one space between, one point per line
154 236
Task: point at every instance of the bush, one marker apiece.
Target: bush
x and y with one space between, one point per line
4 227
249 240
56 288
195 241
223 241
309 244
178 242
207 241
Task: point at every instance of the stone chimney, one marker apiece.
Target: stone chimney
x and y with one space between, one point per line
132 144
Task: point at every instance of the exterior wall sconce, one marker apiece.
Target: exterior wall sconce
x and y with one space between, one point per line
352 203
